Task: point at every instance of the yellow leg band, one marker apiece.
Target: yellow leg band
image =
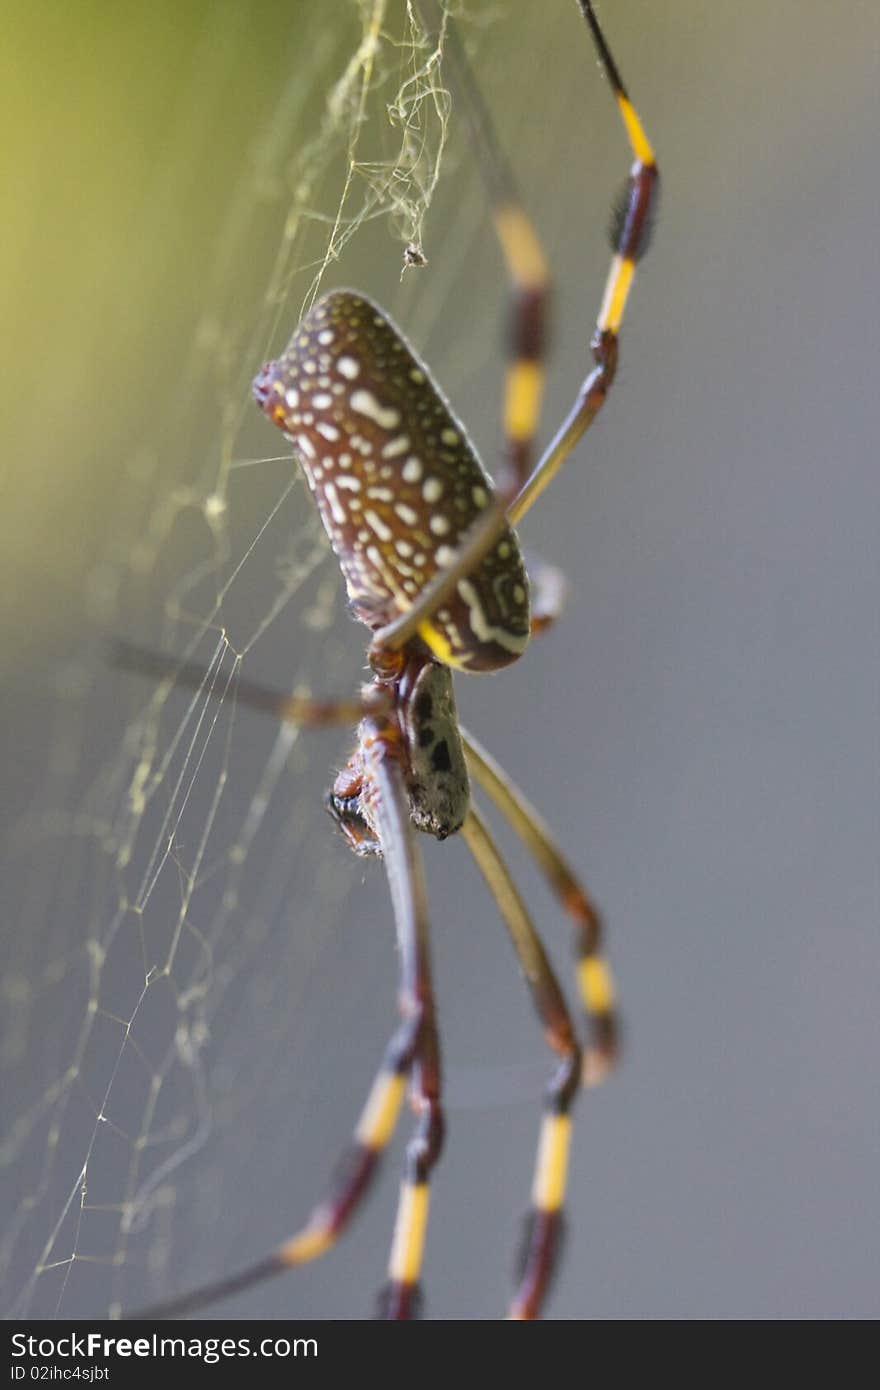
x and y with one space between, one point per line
525 381
550 1171
379 1116
597 986
617 291
308 1245
520 246
637 137
409 1234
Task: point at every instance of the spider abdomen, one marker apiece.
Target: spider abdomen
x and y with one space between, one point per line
397 482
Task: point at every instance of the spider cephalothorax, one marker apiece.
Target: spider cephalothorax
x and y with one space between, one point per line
431 757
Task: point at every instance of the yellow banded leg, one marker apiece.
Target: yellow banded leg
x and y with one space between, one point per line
630 236
407 1249
374 1129
413 1050
632 217
617 288
401 1296
526 267
522 401
545 1219
405 876
548 1188
551 1168
517 489
595 981
524 384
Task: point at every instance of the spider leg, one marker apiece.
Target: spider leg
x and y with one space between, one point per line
329 1218
549 589
524 261
403 863
527 269
548 1189
413 1050
594 975
630 235
517 489
290 709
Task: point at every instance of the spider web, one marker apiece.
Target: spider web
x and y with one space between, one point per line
149 912
197 977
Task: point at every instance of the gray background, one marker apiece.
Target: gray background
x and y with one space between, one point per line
701 729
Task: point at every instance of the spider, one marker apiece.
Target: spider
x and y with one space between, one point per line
434 569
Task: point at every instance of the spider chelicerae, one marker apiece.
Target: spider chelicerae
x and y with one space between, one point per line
433 567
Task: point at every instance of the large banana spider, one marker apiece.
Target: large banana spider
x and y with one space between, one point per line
433 567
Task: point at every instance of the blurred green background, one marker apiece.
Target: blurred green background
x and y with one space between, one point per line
702 727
